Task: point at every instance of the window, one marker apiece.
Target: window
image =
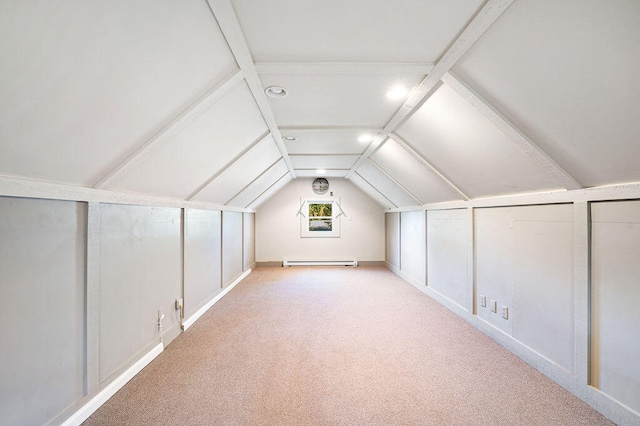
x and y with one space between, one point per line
320 218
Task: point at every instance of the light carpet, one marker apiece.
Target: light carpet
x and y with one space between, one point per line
337 346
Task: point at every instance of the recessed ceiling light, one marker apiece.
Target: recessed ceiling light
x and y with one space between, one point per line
397 92
276 92
290 138
321 171
366 137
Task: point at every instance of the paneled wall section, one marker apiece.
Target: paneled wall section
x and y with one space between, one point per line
87 284
42 329
532 261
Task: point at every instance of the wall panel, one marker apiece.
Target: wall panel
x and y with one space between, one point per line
392 239
249 237
140 273
232 246
494 278
525 262
202 258
615 327
543 311
448 234
413 246
42 269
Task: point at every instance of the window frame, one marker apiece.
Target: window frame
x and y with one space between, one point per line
336 212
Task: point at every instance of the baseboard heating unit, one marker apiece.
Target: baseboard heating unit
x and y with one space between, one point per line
320 263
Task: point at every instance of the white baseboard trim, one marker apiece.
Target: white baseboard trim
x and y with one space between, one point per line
96 402
193 318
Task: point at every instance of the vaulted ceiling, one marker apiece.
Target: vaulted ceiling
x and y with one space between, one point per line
167 98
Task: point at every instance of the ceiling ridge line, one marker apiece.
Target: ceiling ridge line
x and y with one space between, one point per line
271 166
224 168
394 180
228 22
375 189
338 154
320 129
433 170
171 129
485 17
536 154
359 68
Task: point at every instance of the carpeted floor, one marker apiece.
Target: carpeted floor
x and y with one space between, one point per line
337 346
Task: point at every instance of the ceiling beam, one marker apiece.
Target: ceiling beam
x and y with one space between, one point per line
170 130
359 68
330 129
373 189
227 20
272 165
274 186
397 139
526 145
392 179
489 13
206 183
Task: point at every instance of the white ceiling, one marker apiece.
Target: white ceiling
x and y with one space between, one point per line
167 99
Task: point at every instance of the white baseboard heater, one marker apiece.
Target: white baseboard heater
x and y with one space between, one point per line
320 263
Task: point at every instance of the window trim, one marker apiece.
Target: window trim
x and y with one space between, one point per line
336 212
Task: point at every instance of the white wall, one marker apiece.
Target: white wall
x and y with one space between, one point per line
202 258
615 325
83 285
448 233
278 228
413 245
140 273
392 240
249 245
232 246
524 261
42 269
566 271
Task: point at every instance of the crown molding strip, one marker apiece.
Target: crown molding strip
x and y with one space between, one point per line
526 145
618 192
25 188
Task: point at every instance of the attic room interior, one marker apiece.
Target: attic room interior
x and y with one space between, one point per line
162 163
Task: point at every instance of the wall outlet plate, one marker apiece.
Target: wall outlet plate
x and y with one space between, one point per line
494 306
505 312
483 300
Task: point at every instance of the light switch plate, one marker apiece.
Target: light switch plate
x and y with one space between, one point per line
494 306
483 300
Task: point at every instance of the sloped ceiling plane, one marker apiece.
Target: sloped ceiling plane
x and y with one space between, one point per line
414 101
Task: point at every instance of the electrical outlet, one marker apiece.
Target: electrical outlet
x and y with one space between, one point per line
178 303
505 312
494 306
483 300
